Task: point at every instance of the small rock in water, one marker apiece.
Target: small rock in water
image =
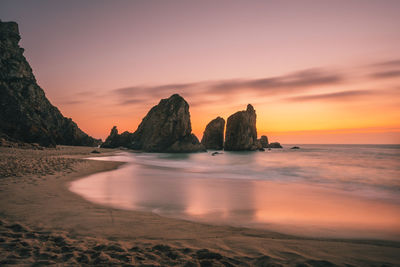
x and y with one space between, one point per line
241 132
275 145
213 136
215 153
95 152
264 141
295 147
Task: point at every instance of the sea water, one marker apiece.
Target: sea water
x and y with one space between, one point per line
339 191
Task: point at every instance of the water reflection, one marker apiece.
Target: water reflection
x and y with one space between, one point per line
199 187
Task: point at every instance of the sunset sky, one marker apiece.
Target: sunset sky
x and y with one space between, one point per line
315 71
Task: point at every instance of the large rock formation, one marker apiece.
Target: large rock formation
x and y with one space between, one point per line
264 141
25 113
213 136
241 132
165 128
117 140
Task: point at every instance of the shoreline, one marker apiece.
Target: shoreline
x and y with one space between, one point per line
145 191
46 204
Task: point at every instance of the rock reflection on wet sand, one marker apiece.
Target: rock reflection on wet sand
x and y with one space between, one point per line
295 207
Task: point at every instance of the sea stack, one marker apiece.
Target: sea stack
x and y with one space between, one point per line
165 128
241 132
264 141
213 136
117 140
113 139
26 115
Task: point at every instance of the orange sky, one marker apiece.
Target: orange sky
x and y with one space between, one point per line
315 71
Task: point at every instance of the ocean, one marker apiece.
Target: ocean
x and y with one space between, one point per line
330 191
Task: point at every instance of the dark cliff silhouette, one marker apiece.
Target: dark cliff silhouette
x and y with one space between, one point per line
26 115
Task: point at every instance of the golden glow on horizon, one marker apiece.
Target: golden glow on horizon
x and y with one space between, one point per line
375 120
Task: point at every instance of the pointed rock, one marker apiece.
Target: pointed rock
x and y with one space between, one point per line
213 136
165 128
241 132
116 140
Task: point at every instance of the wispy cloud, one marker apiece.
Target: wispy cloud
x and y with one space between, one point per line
387 63
336 96
203 90
294 87
151 91
132 101
388 69
281 84
386 74
79 98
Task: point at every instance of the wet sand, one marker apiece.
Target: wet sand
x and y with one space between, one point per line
42 222
192 193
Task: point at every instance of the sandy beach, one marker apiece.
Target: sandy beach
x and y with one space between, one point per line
199 133
43 223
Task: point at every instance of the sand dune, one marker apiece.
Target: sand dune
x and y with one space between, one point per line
43 223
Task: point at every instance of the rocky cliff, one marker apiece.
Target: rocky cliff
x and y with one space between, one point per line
25 113
165 128
213 136
241 132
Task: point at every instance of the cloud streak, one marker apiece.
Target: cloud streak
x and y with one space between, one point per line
281 84
336 96
386 74
294 82
389 69
289 87
387 63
